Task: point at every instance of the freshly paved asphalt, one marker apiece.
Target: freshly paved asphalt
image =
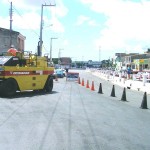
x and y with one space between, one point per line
74 117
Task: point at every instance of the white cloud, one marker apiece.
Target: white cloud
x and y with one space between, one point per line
4 22
127 22
59 10
27 15
57 25
24 4
84 19
81 19
65 42
22 22
92 23
26 21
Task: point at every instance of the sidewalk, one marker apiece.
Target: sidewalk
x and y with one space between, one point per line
123 82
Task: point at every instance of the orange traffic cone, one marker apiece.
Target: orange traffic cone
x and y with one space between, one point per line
92 87
82 82
87 84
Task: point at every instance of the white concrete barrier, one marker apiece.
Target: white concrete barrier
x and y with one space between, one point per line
144 79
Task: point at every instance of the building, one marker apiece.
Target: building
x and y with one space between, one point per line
138 62
8 38
123 60
93 64
64 62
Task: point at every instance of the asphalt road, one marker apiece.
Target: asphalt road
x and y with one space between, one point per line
74 117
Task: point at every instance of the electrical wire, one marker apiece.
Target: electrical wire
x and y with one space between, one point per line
48 16
22 18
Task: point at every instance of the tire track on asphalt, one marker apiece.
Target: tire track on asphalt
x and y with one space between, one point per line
70 121
14 112
97 147
72 124
50 120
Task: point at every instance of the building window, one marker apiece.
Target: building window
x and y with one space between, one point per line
129 59
146 66
133 66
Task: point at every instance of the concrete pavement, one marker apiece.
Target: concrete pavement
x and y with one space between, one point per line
74 117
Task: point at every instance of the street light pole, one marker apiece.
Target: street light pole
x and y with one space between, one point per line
51 49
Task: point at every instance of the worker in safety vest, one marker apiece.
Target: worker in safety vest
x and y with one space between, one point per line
12 50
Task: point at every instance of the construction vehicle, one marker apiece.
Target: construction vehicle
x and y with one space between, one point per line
21 71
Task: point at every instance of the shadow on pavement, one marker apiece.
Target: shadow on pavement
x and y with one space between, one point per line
29 94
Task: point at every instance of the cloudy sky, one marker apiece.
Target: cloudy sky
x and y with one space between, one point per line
86 29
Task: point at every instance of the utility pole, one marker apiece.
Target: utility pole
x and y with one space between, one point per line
11 11
41 28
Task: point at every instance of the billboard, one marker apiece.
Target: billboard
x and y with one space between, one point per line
72 76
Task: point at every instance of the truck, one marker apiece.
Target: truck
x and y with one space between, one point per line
21 71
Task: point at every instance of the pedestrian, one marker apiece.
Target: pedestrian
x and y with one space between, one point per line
128 71
121 70
67 70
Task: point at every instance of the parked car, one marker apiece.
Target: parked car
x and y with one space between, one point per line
59 73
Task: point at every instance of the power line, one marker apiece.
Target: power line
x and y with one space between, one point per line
44 48
22 18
